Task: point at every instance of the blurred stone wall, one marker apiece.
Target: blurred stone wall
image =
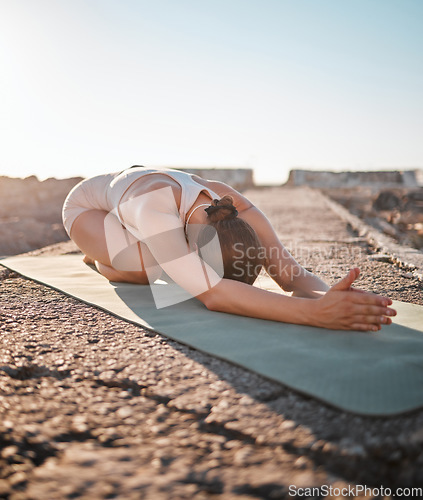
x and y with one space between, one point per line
329 179
30 213
239 178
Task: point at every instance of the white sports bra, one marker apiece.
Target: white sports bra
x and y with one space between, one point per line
120 188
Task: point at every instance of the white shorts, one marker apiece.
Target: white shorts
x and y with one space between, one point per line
87 195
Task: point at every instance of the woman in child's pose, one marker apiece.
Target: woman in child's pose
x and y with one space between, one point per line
139 223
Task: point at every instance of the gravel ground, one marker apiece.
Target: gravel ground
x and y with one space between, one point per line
95 407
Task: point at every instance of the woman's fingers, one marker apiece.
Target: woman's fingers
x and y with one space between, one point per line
365 327
370 323
345 283
350 309
371 317
368 310
376 310
372 320
370 303
371 298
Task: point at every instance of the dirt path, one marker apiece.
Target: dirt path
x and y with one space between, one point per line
94 407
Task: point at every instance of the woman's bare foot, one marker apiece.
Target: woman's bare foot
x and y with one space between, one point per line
88 260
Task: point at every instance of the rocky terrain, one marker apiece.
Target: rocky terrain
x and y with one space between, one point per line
397 212
30 213
94 407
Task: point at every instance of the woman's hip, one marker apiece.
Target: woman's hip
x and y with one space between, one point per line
89 194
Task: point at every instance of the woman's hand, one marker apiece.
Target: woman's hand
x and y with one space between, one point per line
346 308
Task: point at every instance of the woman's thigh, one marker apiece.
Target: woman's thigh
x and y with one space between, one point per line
89 235
117 249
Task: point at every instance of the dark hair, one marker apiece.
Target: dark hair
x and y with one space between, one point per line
239 244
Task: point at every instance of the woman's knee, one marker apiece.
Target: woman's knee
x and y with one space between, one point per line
142 277
136 277
88 234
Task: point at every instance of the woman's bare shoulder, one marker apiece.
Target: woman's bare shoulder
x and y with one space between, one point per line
220 188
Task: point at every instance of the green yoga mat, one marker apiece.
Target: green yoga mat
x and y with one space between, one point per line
366 373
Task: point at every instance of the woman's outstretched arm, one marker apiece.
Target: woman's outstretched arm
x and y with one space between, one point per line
160 228
340 308
281 265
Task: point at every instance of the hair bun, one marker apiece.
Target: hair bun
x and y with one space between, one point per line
222 209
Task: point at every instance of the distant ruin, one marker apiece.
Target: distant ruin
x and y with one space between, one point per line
238 178
31 212
331 179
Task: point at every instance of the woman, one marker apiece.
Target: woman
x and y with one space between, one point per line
139 223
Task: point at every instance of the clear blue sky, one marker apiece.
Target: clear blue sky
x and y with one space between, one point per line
92 86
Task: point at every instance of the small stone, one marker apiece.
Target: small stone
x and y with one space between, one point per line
125 395
395 456
417 436
80 427
9 451
380 257
4 489
79 424
317 445
17 479
107 375
241 456
233 443
287 425
408 274
301 463
213 464
261 439
124 412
